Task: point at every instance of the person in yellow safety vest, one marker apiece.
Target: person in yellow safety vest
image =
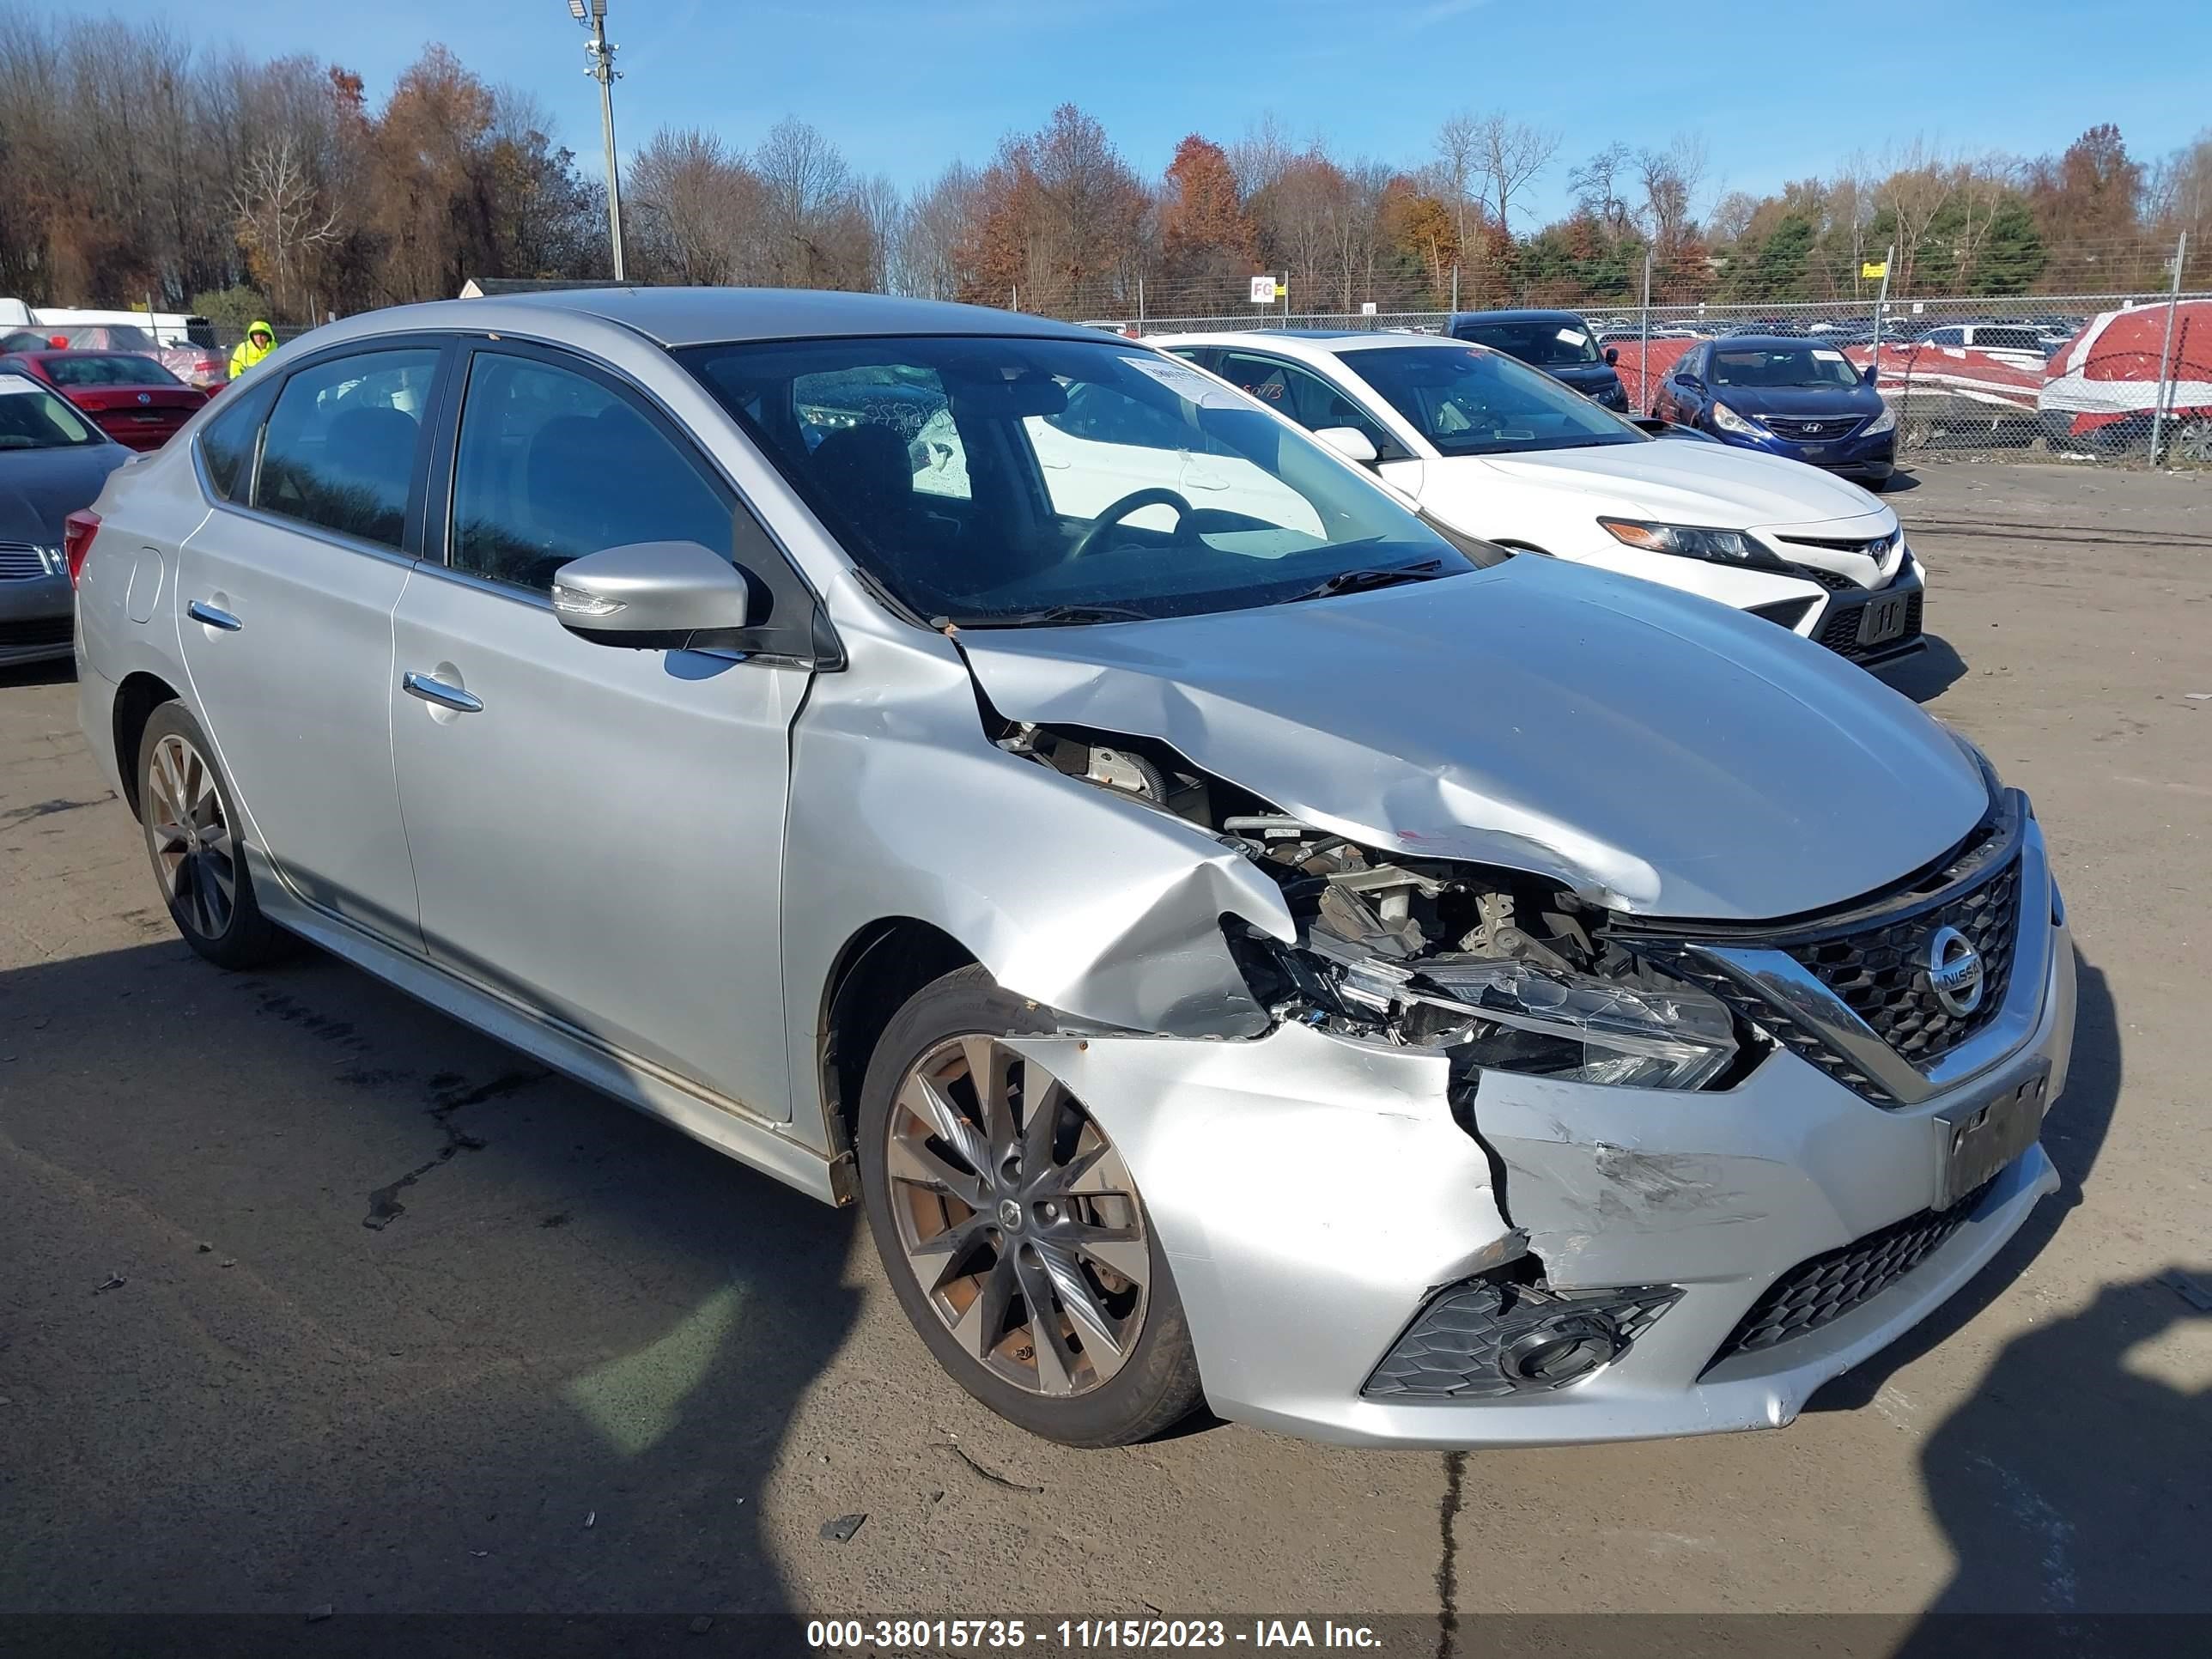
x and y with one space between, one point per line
260 340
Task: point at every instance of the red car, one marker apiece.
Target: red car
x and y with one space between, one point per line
200 366
133 399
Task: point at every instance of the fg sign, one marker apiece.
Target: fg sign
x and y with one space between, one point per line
1266 290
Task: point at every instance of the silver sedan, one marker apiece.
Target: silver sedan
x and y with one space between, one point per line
1235 940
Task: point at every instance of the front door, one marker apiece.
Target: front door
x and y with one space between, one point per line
597 832
286 595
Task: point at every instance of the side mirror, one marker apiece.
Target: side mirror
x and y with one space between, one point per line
1612 356
652 596
1871 373
1349 442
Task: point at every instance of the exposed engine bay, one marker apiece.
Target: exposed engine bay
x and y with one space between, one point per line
1496 967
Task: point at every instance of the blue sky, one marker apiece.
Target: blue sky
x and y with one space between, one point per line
1780 89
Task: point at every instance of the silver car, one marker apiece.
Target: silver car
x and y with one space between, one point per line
1235 941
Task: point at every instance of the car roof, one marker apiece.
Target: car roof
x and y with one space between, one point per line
1309 342
1539 314
1766 342
704 316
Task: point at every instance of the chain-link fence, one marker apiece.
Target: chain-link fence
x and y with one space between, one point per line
2104 374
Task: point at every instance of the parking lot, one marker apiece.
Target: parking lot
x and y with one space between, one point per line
311 1297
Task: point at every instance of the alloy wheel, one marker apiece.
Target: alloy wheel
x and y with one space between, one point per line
2193 443
1016 1217
191 837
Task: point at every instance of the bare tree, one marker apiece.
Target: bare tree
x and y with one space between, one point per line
1459 145
1601 185
1508 154
698 210
941 224
1263 155
280 215
1669 179
1918 189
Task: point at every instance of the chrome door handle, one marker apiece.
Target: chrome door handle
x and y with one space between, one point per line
200 612
437 691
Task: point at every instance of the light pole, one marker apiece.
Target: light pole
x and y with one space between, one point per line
601 52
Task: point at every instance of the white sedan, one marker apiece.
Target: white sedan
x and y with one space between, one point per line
1492 448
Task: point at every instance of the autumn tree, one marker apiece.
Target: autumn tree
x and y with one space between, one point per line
1059 214
1203 229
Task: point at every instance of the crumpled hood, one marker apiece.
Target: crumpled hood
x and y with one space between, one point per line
1713 484
39 488
1656 752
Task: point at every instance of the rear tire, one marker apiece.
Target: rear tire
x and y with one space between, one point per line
997 1207
191 828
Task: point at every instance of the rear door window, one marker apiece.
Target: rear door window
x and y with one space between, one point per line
1306 398
345 441
228 440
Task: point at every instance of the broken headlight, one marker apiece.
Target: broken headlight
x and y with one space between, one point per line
1517 1015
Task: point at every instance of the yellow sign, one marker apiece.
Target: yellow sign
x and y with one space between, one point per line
1875 269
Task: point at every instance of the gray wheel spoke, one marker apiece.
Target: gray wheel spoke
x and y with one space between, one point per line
1096 1173
1121 1248
954 1245
988 1064
911 1161
1066 1238
925 1099
1101 1334
1056 1360
983 1321
1045 1108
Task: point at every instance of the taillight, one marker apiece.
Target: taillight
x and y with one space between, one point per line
77 532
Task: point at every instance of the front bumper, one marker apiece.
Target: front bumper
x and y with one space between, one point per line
35 619
1873 458
1312 1193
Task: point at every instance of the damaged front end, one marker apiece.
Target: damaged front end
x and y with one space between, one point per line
1472 970
1494 970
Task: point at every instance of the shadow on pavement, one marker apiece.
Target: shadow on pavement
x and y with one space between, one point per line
2073 1482
557 1381
56 670
2073 1134
1926 675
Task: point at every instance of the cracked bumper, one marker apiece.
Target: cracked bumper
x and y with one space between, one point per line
1311 1193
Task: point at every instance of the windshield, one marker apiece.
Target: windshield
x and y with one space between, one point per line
119 368
1470 401
1009 480
32 417
1548 342
1774 366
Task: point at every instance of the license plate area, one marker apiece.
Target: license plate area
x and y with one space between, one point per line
1980 1137
1882 620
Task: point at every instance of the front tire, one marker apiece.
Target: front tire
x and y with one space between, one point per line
192 827
1012 1231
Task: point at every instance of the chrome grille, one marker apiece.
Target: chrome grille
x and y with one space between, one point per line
1817 428
20 561
1876 963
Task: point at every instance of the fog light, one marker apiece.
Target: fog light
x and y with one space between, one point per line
1484 1338
1560 1349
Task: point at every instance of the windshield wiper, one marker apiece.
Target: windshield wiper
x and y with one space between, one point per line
1050 616
1360 581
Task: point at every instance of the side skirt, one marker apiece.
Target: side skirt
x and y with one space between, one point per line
718 1121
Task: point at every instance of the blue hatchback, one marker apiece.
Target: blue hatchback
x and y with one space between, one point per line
1787 397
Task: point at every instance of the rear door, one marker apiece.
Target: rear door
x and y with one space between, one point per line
597 831
286 594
